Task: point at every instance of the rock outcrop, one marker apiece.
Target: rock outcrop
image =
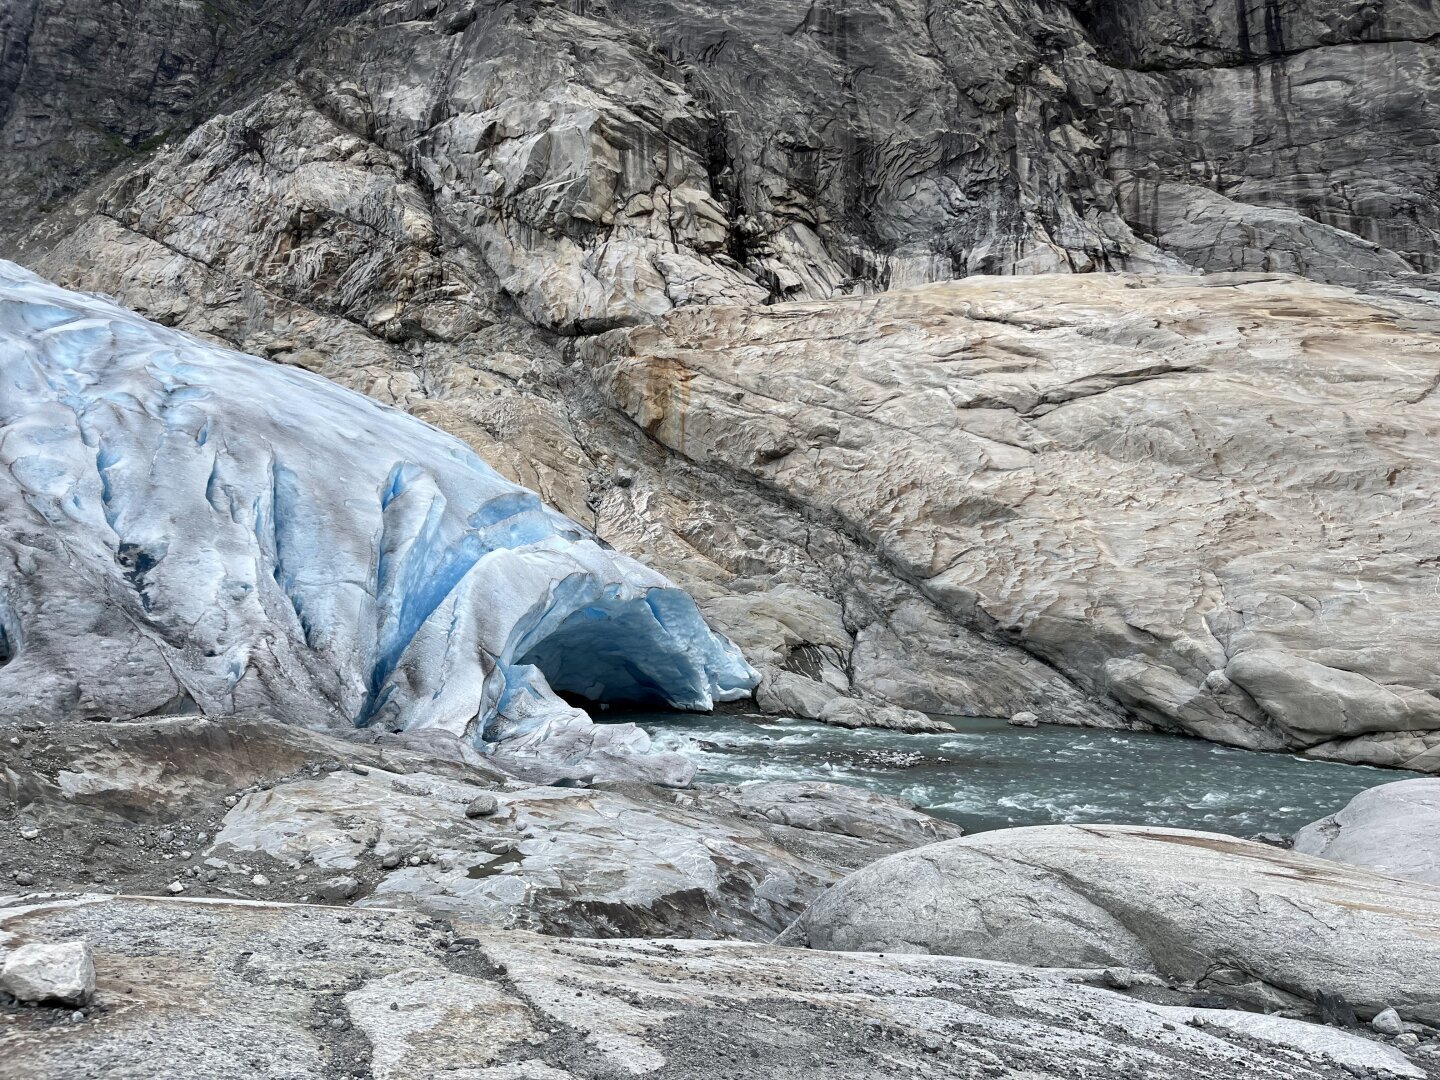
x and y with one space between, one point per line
1264 926
418 200
1394 829
1201 499
326 992
602 165
245 808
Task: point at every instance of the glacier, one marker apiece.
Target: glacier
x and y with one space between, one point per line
185 528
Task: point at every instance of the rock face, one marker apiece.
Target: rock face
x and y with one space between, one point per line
49 972
324 993
416 198
1267 927
190 529
1394 828
602 165
254 809
1200 499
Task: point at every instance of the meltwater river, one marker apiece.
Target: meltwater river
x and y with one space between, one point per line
988 775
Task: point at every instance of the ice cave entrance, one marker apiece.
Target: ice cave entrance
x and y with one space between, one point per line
625 653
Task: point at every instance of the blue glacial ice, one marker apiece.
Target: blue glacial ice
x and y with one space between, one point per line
186 528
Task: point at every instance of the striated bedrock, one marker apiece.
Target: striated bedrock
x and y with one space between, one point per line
1266 927
309 993
191 529
1210 501
426 199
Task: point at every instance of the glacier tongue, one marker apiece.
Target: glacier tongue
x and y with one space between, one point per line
186 528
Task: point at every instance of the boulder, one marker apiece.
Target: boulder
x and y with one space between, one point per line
851 713
1388 1022
49 973
482 806
1393 828
1223 914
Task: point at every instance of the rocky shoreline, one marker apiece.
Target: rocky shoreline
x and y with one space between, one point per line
368 907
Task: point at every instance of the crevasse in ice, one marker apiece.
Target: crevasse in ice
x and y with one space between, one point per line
186 528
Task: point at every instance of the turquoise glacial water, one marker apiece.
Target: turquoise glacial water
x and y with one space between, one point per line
988 775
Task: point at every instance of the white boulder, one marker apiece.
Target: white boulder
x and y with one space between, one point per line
42 972
1393 828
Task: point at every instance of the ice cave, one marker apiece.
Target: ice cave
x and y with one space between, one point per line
237 536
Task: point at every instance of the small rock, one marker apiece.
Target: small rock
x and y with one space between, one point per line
1270 838
29 834
1024 719
1408 1041
482 806
1335 1010
1119 978
231 800
336 889
391 861
260 879
175 887
24 878
359 770
63 971
414 860
165 836
1388 1022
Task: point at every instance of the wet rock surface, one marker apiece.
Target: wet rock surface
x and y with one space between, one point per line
325 992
